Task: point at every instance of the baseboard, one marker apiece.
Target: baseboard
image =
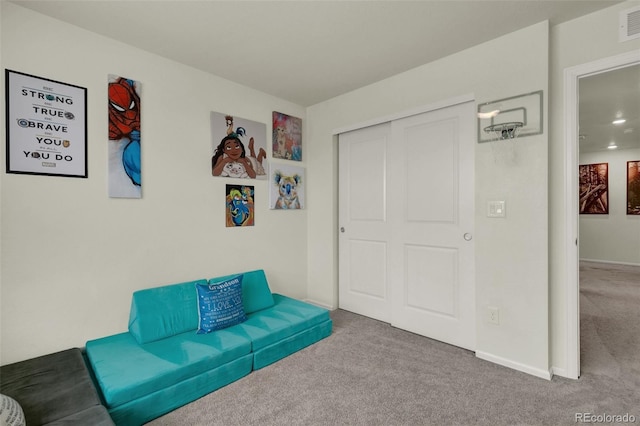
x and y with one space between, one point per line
320 304
610 261
556 371
543 374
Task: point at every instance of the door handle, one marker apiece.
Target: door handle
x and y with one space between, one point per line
342 229
467 236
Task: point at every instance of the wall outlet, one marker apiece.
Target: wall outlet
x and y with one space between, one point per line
493 315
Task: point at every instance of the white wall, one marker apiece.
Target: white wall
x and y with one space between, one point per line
71 256
511 253
573 43
614 237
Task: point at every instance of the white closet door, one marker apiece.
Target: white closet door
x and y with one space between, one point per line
365 230
406 217
430 174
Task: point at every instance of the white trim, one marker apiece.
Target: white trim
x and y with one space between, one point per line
320 304
555 371
612 262
571 76
572 319
538 372
408 113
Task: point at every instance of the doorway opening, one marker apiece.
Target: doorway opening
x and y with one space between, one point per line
572 252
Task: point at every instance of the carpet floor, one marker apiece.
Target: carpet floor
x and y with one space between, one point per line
369 373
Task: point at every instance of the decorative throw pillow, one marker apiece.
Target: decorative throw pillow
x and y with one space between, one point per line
220 304
10 412
256 294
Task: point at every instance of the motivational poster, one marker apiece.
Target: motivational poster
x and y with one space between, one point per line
46 126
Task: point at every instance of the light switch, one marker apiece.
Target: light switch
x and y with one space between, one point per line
496 209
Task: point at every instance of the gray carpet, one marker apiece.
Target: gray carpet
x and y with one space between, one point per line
369 373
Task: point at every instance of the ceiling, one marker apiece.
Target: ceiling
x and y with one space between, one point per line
604 98
308 51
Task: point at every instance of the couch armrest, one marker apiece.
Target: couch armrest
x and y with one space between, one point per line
50 387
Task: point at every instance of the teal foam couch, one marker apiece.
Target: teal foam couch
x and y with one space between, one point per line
162 363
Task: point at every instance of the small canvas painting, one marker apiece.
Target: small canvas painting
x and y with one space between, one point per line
239 147
287 187
633 187
124 138
594 188
239 205
287 137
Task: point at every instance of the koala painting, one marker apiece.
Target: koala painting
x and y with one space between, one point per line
287 190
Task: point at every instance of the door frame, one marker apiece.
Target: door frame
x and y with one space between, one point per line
571 77
469 97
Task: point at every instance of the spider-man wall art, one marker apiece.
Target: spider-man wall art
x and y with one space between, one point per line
124 138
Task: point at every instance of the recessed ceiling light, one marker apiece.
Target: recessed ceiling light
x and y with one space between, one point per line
619 121
612 145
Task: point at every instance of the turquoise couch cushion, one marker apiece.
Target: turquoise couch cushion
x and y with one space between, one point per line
284 319
285 347
160 312
165 311
142 410
127 370
256 294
